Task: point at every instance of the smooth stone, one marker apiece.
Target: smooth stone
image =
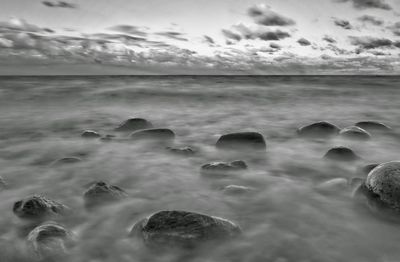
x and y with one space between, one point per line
384 182
182 150
320 129
66 161
341 154
183 229
90 134
156 134
373 126
38 207
354 132
134 124
236 190
50 240
223 168
243 140
101 193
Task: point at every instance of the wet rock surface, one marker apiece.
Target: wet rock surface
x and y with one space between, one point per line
242 140
320 129
373 126
183 229
101 193
341 154
237 190
38 207
354 133
223 168
90 134
134 124
67 161
155 134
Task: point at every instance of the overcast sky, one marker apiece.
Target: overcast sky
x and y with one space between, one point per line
200 37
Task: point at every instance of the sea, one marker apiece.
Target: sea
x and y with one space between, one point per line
298 209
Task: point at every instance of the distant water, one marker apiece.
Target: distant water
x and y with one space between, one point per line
287 218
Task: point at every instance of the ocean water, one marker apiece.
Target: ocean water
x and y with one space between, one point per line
289 215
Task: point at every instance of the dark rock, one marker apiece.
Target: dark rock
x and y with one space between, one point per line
384 182
37 208
236 190
318 130
244 140
183 229
90 134
134 124
50 240
223 168
354 132
182 151
373 126
341 154
101 193
156 134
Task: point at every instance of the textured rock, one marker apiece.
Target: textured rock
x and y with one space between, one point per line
50 240
373 126
134 124
183 229
236 190
66 161
156 134
243 140
341 154
355 133
318 130
223 168
101 193
187 151
90 134
38 207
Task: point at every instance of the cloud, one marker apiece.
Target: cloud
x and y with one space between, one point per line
231 35
262 15
342 23
271 35
173 35
209 40
20 25
274 46
371 20
129 29
365 4
368 42
395 28
303 42
329 39
59 4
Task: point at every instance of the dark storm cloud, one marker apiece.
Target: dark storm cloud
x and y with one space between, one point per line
342 23
395 28
371 20
303 42
272 35
128 29
365 4
264 16
329 39
275 46
368 42
59 4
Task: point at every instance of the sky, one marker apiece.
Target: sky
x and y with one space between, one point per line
270 37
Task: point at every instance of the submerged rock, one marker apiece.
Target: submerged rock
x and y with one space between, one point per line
107 138
67 160
223 168
321 129
183 229
3 184
373 126
134 124
101 193
236 190
38 207
354 132
156 134
90 134
187 151
50 240
341 154
243 140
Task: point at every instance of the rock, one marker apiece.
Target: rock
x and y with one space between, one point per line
156 134
66 161
366 169
134 124
187 151
354 132
50 240
318 130
90 134
107 138
183 229
373 126
37 208
101 193
236 190
244 140
341 154
384 182
223 168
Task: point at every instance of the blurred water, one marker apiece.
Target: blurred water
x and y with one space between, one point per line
286 218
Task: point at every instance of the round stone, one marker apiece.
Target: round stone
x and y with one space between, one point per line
341 154
155 134
373 126
355 133
90 134
243 140
101 193
134 124
321 129
38 207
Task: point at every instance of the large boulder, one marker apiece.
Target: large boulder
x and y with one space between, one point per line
341 154
321 129
355 133
243 140
183 229
101 193
373 126
134 124
155 134
38 208
50 240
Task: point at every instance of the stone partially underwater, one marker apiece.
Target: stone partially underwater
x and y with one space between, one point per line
101 193
38 208
320 129
242 141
